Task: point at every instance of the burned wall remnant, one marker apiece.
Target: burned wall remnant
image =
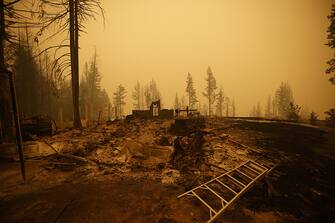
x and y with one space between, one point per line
187 121
155 111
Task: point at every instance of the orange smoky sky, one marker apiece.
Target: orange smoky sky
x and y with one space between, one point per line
251 46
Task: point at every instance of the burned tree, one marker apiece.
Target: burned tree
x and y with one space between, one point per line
10 19
93 98
137 96
284 97
70 16
209 92
220 102
190 91
154 92
119 101
151 93
293 112
331 44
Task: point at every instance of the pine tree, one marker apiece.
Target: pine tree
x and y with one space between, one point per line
147 96
190 90
284 97
119 101
69 16
293 112
155 94
233 108
209 92
220 102
93 99
28 80
331 44
137 96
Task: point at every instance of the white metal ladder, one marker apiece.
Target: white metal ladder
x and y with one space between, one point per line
220 192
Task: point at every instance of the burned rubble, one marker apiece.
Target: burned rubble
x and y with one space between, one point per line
153 150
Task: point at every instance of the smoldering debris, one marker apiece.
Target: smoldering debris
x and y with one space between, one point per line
141 143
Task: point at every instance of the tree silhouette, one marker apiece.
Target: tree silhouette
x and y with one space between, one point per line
69 16
293 112
331 44
190 90
137 96
209 92
220 102
119 101
284 96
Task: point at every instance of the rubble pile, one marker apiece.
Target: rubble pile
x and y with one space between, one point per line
141 145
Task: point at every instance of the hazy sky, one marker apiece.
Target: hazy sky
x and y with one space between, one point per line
251 46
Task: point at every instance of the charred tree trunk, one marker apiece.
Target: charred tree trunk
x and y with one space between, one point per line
74 28
6 120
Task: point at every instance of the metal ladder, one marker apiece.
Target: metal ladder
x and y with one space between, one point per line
220 192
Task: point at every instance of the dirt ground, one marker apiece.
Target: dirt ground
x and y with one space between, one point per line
130 189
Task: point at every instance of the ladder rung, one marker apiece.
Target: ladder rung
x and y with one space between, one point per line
255 167
226 186
251 169
214 192
244 174
235 180
207 205
257 164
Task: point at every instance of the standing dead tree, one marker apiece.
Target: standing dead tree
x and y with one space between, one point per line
11 19
68 16
331 44
220 102
119 101
191 93
209 92
137 96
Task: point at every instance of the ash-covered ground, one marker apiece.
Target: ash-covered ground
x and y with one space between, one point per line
133 171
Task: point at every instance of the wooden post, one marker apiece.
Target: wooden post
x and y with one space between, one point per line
17 124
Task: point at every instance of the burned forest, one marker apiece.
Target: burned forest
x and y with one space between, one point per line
167 111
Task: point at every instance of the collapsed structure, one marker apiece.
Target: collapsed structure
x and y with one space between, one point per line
155 111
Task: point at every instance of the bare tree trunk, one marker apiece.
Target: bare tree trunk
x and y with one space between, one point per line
6 120
73 5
